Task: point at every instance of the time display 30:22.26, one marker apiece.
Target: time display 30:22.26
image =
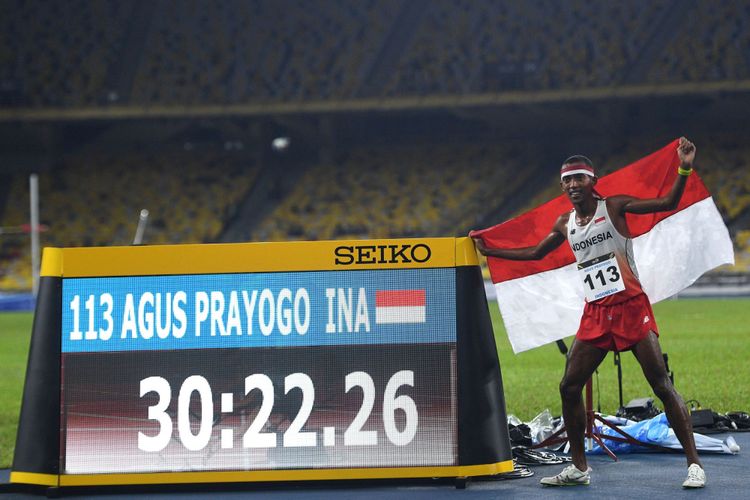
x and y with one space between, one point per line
294 435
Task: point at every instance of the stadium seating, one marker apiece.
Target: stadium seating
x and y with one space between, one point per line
372 192
715 45
419 190
247 51
58 54
728 177
239 52
95 199
538 44
742 252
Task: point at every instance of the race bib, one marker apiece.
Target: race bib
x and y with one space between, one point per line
601 277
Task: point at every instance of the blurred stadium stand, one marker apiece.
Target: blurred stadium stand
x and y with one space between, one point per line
417 190
715 45
59 53
407 117
82 53
94 198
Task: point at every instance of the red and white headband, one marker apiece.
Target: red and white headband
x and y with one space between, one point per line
576 168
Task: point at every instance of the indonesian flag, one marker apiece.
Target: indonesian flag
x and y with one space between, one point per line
400 306
542 301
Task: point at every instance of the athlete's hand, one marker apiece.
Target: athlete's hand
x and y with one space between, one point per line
686 152
479 243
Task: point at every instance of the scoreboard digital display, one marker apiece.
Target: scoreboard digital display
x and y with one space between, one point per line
191 364
255 371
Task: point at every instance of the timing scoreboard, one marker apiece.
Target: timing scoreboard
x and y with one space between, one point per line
261 362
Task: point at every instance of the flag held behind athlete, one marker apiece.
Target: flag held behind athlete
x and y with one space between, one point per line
542 301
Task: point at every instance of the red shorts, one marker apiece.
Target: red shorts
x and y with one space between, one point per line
617 327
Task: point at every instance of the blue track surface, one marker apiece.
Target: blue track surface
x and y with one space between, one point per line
640 475
17 302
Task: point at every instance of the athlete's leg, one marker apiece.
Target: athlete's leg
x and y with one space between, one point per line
648 353
580 364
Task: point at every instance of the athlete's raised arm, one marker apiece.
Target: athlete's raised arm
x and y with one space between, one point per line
627 204
554 239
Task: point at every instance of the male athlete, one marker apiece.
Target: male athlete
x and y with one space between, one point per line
617 315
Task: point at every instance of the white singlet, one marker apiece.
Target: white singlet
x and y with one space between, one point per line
605 258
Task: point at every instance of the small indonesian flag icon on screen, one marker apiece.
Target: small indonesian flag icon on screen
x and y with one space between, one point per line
400 306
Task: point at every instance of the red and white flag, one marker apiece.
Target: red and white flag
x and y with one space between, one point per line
542 301
400 306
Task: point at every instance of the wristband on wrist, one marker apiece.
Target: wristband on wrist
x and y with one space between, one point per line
684 171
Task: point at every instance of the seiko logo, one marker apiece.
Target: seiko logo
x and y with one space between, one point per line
382 254
594 240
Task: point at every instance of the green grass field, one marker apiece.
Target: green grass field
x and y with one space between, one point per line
708 342
15 332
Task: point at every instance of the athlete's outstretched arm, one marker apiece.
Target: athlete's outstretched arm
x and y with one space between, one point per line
553 240
629 204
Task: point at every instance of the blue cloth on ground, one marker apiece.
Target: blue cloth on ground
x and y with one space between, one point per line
657 431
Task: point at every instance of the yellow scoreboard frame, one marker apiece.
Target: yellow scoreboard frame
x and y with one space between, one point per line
478 439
